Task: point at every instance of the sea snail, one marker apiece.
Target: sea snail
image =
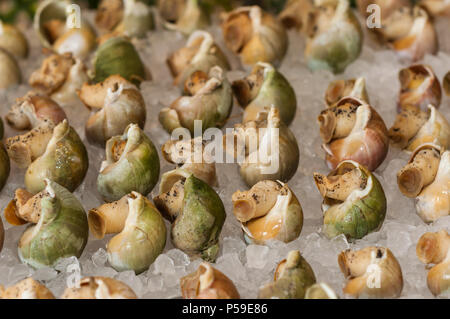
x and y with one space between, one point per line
354 203
420 171
407 30
207 283
33 109
117 103
118 56
209 99
353 130
265 86
354 88
420 39
413 127
26 148
13 40
39 114
266 149
60 226
185 16
201 53
132 18
109 14
293 277
131 164
184 154
436 7
268 211
426 177
386 6
140 229
334 38
434 200
372 272
434 248
11 74
59 77
60 28
99 288
26 289
64 161
196 212
419 87
255 35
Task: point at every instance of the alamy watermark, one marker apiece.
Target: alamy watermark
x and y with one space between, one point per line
374 272
73 14
374 276
373 21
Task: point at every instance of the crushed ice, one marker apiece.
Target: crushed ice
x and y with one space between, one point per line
248 266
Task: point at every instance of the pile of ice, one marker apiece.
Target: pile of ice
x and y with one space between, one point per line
248 266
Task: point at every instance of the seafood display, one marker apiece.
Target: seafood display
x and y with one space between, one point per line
191 149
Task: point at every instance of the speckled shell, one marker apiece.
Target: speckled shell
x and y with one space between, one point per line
137 169
62 230
361 213
65 161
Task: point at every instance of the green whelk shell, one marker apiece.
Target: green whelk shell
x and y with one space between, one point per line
361 213
118 56
142 239
335 47
291 281
65 161
62 230
211 105
137 169
197 225
275 91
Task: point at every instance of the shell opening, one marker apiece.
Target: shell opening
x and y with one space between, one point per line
270 225
338 121
247 89
420 171
257 201
238 29
97 223
241 209
170 203
407 123
195 82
